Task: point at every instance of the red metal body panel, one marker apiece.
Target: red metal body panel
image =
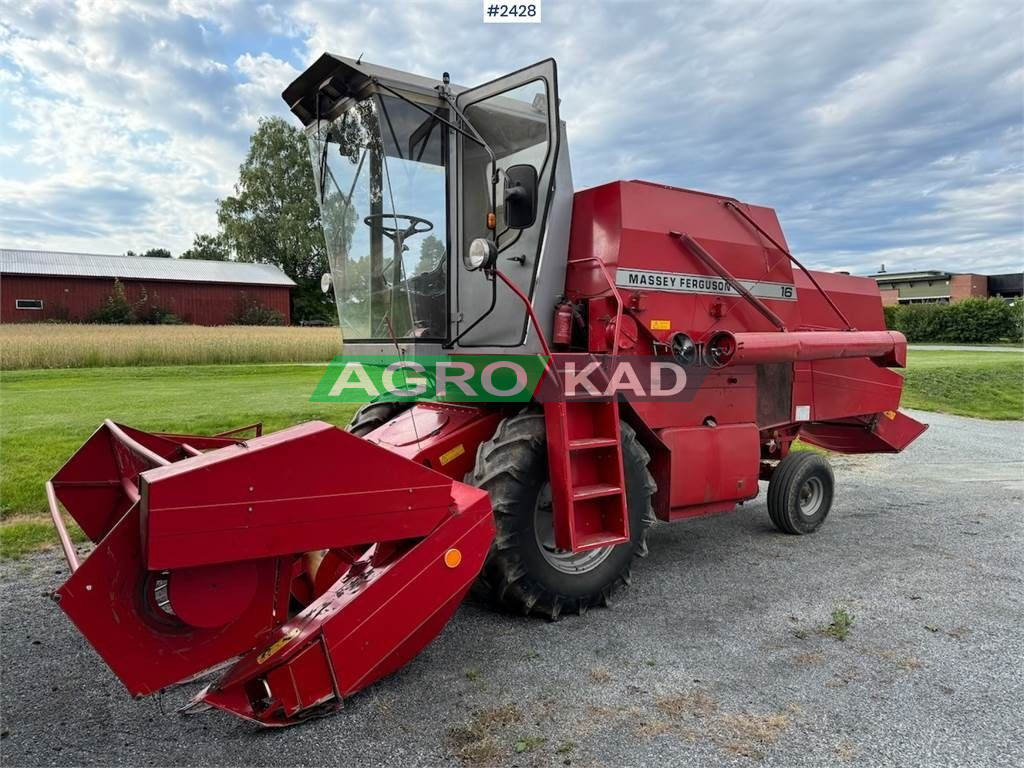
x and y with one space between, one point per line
887 432
365 627
627 225
275 495
718 269
854 387
147 650
74 298
442 436
719 464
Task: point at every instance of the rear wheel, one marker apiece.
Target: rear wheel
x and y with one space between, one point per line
373 415
525 571
800 493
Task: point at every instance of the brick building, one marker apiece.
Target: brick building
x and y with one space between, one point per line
48 285
935 286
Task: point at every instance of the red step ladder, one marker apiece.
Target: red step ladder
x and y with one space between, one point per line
588 489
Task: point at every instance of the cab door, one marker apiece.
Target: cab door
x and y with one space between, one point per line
517 116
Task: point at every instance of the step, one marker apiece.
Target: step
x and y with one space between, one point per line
595 491
586 443
596 540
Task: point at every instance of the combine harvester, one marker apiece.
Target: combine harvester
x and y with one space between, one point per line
309 563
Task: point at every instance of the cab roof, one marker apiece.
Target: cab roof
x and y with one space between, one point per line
337 79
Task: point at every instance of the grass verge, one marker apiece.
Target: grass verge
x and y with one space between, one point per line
20 536
985 385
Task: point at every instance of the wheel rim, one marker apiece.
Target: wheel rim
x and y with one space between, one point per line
812 493
560 559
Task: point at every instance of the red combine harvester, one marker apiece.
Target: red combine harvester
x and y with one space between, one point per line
308 563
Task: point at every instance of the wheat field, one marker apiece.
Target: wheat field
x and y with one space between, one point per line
90 346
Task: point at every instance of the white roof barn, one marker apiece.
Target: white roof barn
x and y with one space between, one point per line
21 262
37 286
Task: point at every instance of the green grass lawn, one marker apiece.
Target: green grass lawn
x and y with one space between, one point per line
986 385
45 415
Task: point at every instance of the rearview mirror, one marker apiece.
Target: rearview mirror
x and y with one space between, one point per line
520 196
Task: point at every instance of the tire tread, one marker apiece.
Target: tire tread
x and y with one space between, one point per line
502 464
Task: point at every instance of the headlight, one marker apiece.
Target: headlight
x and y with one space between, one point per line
683 349
721 348
482 253
325 282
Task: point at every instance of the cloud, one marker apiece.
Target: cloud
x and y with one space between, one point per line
881 132
260 94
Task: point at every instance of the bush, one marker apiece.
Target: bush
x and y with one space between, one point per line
116 310
254 313
156 315
924 322
891 311
972 321
1017 309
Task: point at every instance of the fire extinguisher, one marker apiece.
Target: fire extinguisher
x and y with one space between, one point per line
562 333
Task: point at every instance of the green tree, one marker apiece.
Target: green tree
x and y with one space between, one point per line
157 253
431 252
274 217
209 248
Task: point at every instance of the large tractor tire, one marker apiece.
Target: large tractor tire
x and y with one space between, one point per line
524 571
373 415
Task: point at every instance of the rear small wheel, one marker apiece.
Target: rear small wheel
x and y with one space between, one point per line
800 493
373 415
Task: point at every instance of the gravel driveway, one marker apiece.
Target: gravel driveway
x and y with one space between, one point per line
716 655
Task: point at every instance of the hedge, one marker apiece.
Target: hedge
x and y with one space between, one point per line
971 321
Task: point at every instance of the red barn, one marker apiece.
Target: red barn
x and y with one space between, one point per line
48 285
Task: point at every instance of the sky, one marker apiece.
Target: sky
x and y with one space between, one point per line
881 132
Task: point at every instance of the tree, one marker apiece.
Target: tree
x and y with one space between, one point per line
274 216
431 252
156 253
208 247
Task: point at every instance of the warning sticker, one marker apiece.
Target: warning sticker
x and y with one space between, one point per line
661 325
281 642
680 282
449 456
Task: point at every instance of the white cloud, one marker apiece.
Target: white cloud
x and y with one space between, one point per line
885 135
260 94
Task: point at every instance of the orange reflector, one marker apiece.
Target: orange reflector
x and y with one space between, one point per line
452 558
492 221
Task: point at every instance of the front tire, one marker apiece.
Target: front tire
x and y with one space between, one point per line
373 415
524 571
800 493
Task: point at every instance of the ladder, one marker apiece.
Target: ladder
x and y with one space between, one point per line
588 488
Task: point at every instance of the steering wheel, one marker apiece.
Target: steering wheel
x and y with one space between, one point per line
415 226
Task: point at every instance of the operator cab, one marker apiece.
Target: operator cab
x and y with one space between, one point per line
426 189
